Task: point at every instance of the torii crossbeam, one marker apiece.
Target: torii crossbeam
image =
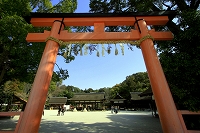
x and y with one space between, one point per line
31 118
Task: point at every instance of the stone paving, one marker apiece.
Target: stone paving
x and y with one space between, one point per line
93 122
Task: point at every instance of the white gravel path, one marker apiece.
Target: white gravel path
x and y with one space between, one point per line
93 122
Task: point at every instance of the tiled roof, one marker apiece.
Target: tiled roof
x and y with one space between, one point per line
88 97
58 100
147 92
117 98
19 99
135 95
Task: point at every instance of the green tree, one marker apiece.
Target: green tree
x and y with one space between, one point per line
181 62
13 31
9 90
107 92
137 82
89 90
115 90
19 59
65 91
179 58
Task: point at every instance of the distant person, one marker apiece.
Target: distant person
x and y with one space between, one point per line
116 110
112 109
63 111
59 110
43 111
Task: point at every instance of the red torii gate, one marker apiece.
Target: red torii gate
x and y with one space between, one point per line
169 116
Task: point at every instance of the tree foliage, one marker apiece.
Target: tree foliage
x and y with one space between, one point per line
181 62
13 31
65 91
19 59
179 58
137 82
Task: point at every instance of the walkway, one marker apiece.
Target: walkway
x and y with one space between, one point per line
94 122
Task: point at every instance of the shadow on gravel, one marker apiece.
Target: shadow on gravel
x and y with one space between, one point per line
121 123
7 123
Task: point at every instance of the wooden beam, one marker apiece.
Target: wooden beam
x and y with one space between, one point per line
162 36
37 37
193 131
109 21
9 113
98 36
7 131
187 112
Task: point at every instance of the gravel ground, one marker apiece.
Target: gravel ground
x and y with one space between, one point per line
93 122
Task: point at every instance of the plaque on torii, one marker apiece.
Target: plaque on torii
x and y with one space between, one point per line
31 118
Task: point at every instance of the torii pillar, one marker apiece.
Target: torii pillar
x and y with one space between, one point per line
168 114
164 101
31 117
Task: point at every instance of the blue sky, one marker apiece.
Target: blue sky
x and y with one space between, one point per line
90 71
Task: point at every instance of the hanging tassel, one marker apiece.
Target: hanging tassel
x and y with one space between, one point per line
81 50
98 54
65 55
116 50
75 49
65 52
69 49
122 48
109 49
103 48
85 49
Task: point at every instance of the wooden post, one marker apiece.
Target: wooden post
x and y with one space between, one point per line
31 118
166 108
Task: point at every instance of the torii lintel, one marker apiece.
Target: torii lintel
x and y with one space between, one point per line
99 21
